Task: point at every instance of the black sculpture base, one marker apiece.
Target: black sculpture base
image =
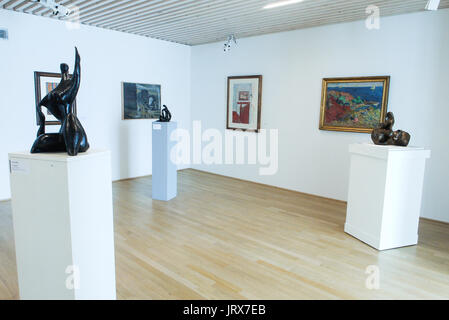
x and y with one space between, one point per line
390 138
55 142
49 142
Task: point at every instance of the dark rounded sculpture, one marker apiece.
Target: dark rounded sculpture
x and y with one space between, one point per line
384 134
166 115
71 138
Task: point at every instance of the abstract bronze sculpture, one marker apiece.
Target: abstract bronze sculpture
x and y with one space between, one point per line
166 115
384 135
71 137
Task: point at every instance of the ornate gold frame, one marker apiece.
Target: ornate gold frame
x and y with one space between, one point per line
384 79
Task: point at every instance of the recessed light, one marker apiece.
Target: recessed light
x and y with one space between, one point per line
57 8
432 5
227 45
281 3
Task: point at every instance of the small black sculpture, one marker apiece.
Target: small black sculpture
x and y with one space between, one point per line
384 134
166 115
59 102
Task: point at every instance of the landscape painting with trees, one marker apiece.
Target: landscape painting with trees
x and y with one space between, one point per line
353 104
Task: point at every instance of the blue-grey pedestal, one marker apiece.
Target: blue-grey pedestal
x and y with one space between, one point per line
165 178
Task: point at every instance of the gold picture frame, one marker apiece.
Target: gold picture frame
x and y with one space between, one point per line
353 104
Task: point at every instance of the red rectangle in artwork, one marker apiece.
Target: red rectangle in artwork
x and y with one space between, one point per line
243 115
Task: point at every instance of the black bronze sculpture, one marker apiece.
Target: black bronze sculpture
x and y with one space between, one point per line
166 115
59 102
384 134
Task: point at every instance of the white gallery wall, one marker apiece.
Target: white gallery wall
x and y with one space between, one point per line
413 49
107 59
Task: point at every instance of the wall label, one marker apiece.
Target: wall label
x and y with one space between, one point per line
17 165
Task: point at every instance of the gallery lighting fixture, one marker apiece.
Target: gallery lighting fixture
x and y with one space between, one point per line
281 3
432 5
228 43
57 9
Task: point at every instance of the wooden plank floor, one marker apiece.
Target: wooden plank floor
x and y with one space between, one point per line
228 239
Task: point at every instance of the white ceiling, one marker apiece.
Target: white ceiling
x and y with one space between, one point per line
194 22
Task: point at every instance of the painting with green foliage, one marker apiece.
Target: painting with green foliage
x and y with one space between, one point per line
353 105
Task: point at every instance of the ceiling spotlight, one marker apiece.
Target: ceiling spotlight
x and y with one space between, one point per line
228 43
57 9
433 5
281 3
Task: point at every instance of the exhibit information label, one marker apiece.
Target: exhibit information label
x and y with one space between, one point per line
19 165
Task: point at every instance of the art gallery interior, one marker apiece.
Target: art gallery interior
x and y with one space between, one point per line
301 153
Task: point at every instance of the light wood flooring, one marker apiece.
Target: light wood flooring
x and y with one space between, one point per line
223 238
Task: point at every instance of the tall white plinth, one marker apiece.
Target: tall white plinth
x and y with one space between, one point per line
385 191
164 176
63 225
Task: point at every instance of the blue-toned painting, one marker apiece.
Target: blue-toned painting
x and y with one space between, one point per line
354 104
141 101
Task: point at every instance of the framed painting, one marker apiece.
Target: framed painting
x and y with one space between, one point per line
141 101
354 104
244 103
44 82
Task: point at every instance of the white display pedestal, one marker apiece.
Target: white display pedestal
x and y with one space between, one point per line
164 172
63 225
385 191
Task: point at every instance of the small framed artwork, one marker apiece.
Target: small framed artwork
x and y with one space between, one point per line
44 82
244 103
141 101
354 104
